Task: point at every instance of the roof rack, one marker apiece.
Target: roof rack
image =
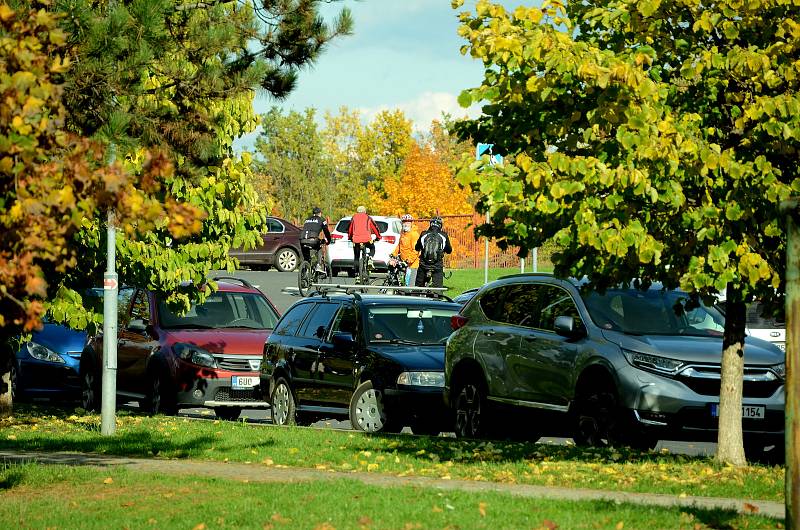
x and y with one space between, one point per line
325 288
244 283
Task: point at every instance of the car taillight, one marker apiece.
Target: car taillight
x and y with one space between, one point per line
457 321
337 236
389 239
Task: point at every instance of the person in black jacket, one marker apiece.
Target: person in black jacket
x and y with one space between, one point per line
309 235
432 245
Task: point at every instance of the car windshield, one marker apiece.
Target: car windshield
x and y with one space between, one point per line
652 312
344 225
409 325
222 310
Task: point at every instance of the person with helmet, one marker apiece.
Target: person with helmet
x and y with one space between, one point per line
432 245
405 248
309 235
362 230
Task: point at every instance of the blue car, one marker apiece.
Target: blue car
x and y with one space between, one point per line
47 366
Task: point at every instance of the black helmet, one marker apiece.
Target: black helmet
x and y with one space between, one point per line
316 210
436 222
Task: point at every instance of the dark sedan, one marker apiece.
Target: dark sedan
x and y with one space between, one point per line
378 360
280 247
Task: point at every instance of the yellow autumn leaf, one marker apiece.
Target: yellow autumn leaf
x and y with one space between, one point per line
108 480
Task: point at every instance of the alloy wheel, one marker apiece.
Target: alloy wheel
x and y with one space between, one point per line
281 404
468 411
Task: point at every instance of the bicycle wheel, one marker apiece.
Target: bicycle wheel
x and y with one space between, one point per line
304 278
363 274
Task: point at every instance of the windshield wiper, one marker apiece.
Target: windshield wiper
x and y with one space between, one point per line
395 341
190 326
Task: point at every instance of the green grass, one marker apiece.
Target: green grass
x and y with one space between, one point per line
51 429
463 279
78 497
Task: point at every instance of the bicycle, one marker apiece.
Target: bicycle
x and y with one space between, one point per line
310 273
428 276
395 274
363 266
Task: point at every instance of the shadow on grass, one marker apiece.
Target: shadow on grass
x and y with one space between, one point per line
133 442
9 477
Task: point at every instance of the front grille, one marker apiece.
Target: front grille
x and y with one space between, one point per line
237 363
229 394
751 389
705 380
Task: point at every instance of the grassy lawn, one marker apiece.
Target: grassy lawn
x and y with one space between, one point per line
463 279
71 497
52 429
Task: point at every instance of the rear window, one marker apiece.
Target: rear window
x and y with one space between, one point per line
759 318
344 225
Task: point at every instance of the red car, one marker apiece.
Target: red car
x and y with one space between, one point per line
281 247
209 357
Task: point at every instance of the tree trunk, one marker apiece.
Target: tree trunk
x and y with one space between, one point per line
730 442
6 405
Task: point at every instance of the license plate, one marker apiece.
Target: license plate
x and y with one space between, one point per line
781 345
239 382
749 412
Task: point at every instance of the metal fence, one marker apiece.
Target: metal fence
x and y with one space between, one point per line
469 253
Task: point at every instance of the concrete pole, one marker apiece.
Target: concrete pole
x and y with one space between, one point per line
536 260
521 265
108 406
792 491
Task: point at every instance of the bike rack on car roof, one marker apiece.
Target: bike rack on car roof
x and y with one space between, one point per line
244 283
356 289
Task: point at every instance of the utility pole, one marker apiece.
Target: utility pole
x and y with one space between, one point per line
792 426
108 408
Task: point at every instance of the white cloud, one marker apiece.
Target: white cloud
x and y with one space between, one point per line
426 108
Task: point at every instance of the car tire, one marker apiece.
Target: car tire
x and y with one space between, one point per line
17 395
287 260
283 407
600 422
161 397
766 452
470 408
228 413
91 385
367 412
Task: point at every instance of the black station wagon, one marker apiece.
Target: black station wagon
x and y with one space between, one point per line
377 359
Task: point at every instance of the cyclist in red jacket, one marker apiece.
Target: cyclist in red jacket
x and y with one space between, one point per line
362 230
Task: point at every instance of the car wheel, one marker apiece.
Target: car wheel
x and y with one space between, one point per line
286 260
598 418
282 404
16 393
161 399
767 452
470 408
367 412
90 388
228 413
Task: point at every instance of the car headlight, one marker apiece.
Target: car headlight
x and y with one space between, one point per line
43 353
195 355
779 369
421 379
654 363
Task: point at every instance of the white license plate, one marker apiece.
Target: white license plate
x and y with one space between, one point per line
781 345
751 412
239 382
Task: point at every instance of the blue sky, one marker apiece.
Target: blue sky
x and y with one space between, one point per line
403 54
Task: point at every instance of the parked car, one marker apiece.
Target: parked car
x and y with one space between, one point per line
280 248
340 255
466 296
47 365
377 359
619 367
209 357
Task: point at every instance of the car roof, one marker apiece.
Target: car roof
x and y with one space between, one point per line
386 299
376 217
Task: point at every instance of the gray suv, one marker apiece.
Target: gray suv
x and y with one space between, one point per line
532 353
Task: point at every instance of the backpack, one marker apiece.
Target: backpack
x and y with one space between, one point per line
432 249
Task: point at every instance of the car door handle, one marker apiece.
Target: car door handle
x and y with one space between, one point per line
488 333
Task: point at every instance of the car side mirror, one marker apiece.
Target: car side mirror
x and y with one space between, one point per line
568 327
343 340
137 325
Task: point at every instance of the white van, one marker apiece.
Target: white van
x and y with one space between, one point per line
340 253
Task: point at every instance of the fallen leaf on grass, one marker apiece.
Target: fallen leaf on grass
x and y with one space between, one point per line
127 504
278 518
620 525
152 521
200 526
750 508
436 509
482 508
364 521
325 526
11 437
109 480
547 524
